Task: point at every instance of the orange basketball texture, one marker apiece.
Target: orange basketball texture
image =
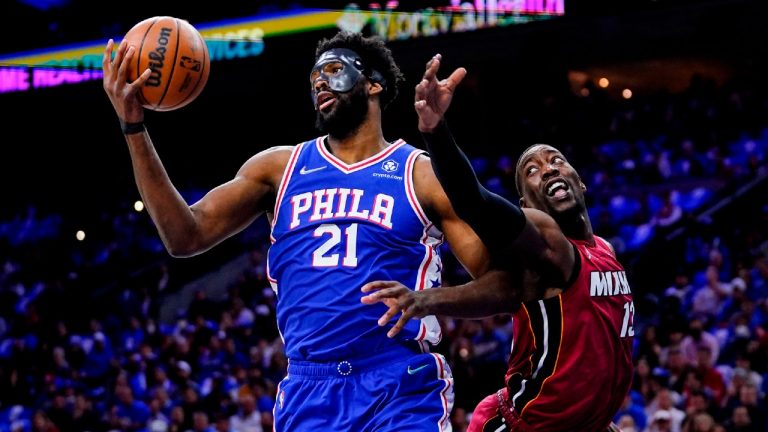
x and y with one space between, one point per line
178 57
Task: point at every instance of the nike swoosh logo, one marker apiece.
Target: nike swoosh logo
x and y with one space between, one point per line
413 371
304 169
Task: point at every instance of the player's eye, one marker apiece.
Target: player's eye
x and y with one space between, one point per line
327 69
530 170
558 160
333 68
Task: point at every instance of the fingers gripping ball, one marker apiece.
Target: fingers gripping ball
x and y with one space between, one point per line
177 56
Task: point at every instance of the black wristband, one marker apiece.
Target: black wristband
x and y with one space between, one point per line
132 128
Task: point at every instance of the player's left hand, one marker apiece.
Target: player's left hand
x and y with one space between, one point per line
398 298
433 97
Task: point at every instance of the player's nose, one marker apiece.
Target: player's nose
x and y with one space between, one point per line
320 84
550 168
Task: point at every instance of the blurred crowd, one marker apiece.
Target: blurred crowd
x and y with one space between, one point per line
83 346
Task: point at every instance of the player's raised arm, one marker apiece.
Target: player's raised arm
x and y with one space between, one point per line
495 220
186 230
501 225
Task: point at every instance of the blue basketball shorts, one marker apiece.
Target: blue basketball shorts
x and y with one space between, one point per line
380 393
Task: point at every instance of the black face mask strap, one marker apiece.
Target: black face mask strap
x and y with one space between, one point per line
375 76
371 73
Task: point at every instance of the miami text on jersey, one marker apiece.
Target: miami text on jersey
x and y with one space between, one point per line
609 283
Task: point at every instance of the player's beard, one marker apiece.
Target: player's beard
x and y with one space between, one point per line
569 216
349 112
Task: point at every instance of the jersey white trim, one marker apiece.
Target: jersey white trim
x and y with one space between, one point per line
540 365
446 395
410 190
429 328
287 173
365 163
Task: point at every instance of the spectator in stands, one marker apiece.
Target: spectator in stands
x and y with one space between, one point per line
41 423
201 422
248 418
669 213
711 379
666 403
741 421
755 403
678 296
696 402
648 346
84 415
700 422
633 407
661 421
98 360
697 336
128 414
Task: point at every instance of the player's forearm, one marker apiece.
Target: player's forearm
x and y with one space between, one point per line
167 208
454 170
491 294
496 220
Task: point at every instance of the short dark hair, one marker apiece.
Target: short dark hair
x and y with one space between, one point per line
374 54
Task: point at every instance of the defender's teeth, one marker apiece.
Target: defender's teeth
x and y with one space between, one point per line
555 185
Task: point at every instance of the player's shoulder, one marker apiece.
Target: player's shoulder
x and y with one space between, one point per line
542 220
605 243
271 160
423 164
272 154
280 151
424 177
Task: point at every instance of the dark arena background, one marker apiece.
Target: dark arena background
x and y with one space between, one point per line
661 105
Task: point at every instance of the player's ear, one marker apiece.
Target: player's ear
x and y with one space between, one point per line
375 88
522 202
581 183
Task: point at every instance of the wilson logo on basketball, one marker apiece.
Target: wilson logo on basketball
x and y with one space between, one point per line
157 58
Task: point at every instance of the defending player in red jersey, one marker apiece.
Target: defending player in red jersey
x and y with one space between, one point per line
571 361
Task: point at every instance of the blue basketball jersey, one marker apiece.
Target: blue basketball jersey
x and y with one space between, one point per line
335 227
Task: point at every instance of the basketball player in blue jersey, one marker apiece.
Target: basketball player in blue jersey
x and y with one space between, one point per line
346 208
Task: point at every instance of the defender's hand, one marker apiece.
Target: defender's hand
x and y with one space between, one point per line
399 299
433 97
122 94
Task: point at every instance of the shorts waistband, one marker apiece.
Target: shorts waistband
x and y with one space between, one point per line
515 423
351 366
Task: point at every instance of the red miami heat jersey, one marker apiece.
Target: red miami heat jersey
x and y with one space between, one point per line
571 361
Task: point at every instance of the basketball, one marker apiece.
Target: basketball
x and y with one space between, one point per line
178 57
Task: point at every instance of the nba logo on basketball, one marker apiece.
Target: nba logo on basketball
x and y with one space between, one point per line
190 63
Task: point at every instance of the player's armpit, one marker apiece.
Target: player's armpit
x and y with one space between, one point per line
462 239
